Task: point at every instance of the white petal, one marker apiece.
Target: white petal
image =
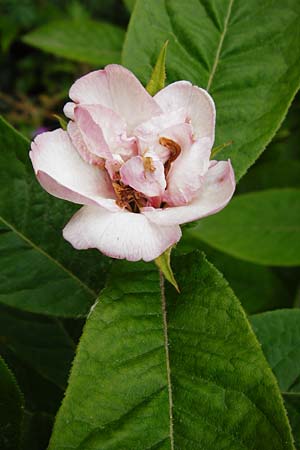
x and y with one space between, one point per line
118 89
69 110
197 103
121 235
216 192
63 173
187 171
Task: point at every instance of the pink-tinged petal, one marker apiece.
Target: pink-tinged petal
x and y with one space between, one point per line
81 146
63 173
218 188
112 126
187 172
69 110
145 175
157 124
118 89
113 166
91 133
197 103
182 134
121 235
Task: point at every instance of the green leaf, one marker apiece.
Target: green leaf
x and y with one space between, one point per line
11 409
51 358
292 404
97 43
40 272
158 77
270 175
36 431
261 227
257 287
163 262
158 369
130 4
235 50
279 335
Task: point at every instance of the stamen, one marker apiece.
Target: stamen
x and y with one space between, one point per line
128 198
148 164
174 149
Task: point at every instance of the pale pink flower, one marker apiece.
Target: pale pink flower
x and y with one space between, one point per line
140 165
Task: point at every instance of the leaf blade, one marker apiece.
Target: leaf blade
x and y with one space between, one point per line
260 227
115 361
241 38
80 40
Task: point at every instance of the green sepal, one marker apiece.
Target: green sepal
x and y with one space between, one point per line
163 262
62 122
158 76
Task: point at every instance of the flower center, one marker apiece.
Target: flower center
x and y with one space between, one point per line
128 198
133 200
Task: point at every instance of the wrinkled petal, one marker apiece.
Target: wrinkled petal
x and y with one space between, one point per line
82 147
154 126
197 103
182 134
91 133
119 235
187 172
113 166
150 180
63 173
112 126
118 89
218 188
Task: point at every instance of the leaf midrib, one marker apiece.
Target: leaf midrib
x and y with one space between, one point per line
45 254
220 45
166 345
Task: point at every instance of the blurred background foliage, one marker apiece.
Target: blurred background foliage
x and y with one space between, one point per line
35 84
38 65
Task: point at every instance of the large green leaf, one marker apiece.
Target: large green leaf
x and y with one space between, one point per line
20 334
292 404
257 287
261 227
170 371
11 409
85 40
279 335
270 175
40 272
243 52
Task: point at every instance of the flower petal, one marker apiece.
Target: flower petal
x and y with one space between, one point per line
218 188
119 235
82 147
69 110
150 181
187 173
91 133
118 89
63 173
113 128
197 103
